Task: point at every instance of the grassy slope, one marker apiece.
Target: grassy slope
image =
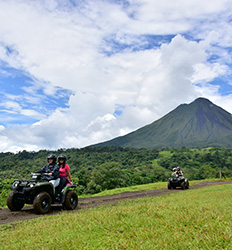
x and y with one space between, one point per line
194 219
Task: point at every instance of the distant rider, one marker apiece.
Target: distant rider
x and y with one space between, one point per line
174 171
179 172
52 171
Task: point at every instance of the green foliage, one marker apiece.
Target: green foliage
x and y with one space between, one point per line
95 169
106 176
207 172
5 189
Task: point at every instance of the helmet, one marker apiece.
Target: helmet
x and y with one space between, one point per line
62 156
52 156
174 169
178 168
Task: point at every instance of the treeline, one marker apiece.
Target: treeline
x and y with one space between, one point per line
95 169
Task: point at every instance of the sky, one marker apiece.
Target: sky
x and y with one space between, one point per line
78 72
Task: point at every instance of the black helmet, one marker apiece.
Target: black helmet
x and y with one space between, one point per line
52 156
62 156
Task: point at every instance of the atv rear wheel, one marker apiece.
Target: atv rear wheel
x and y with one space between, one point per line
13 203
182 185
42 203
71 200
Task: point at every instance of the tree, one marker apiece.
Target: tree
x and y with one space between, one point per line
207 172
160 174
106 176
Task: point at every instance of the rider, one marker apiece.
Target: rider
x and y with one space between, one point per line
179 172
174 171
65 176
51 170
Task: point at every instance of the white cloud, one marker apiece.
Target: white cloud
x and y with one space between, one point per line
2 127
12 107
96 50
207 72
32 113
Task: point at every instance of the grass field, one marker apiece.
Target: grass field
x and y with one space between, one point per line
193 219
151 186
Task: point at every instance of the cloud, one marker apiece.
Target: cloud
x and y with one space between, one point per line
100 69
90 116
208 72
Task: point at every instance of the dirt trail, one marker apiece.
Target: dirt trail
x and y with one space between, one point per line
6 216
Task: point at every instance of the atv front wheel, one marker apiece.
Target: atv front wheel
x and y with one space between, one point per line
182 185
13 203
71 200
169 185
42 203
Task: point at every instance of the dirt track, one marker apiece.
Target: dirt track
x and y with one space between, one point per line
6 216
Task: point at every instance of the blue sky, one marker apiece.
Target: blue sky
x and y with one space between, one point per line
23 102
92 70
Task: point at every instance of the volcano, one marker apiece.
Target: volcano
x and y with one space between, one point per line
198 124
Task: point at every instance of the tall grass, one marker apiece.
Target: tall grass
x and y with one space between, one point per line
193 219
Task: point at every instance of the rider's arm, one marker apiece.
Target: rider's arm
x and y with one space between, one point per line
69 176
42 170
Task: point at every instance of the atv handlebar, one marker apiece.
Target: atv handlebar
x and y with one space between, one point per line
40 174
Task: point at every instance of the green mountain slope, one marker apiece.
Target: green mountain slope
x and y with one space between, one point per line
198 124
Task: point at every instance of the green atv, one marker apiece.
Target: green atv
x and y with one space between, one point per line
41 193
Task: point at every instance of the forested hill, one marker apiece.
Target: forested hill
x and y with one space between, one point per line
99 168
198 124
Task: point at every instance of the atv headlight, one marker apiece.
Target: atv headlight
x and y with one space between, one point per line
30 185
16 184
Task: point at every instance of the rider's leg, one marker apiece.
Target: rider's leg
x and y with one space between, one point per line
55 183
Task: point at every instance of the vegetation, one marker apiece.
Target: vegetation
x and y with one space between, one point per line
194 219
96 169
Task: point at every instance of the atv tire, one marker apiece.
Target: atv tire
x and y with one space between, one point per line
13 203
42 203
169 185
182 185
71 200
